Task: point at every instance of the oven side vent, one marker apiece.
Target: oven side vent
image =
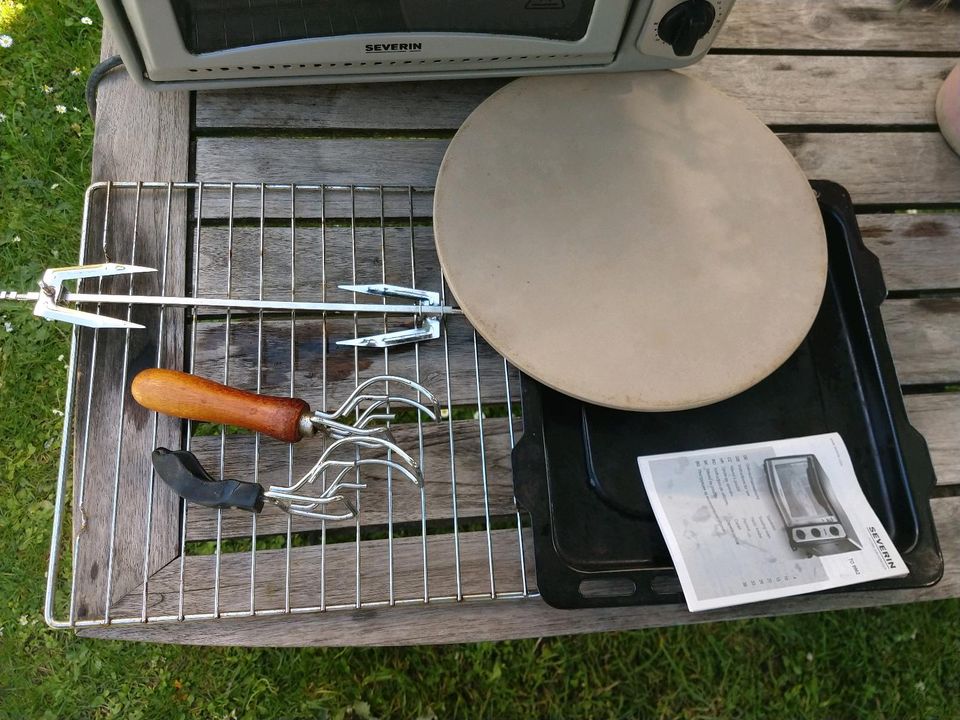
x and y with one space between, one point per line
378 65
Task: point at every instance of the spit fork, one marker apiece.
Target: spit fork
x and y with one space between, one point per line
51 302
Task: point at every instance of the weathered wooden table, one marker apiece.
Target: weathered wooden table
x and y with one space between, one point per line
850 90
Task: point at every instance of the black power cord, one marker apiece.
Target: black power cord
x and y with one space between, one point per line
93 81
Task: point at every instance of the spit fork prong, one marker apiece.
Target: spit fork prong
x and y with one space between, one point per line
428 324
49 301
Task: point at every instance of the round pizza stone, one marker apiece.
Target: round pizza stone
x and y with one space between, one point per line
638 241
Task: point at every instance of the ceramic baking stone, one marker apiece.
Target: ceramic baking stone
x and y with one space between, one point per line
639 241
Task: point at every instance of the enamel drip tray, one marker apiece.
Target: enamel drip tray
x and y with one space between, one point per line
596 539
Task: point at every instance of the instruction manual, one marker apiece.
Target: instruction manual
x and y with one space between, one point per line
755 522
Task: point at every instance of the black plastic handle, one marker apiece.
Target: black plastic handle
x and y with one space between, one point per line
182 471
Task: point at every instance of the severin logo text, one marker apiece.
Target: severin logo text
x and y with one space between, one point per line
392 47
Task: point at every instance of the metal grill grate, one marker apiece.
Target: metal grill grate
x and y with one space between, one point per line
135 553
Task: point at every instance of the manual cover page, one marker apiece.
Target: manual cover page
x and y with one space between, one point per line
754 522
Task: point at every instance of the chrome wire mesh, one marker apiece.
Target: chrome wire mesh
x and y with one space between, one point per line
124 550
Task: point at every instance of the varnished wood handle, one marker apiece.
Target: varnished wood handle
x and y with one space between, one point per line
194 398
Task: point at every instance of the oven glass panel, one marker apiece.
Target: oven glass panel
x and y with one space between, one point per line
799 491
211 25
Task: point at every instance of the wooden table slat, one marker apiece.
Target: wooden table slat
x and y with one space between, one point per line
156 147
903 168
936 416
815 25
511 619
340 369
924 335
405 500
916 252
337 579
780 89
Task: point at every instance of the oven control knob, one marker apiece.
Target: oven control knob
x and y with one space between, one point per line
683 25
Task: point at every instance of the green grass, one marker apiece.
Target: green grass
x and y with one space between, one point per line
889 663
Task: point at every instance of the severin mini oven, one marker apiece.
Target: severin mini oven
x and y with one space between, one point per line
210 43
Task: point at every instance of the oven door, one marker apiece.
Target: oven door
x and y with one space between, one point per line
192 40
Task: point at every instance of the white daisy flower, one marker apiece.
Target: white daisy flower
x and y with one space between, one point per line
8 326
86 21
46 89
55 186
6 41
3 118
16 238
24 619
75 72
62 109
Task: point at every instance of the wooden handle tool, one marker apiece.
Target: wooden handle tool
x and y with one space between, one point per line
194 398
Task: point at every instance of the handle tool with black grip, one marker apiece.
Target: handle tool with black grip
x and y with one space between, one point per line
181 470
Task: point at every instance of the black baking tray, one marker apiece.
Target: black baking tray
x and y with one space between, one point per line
596 539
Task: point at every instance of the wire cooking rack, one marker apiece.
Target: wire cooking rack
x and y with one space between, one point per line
125 549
